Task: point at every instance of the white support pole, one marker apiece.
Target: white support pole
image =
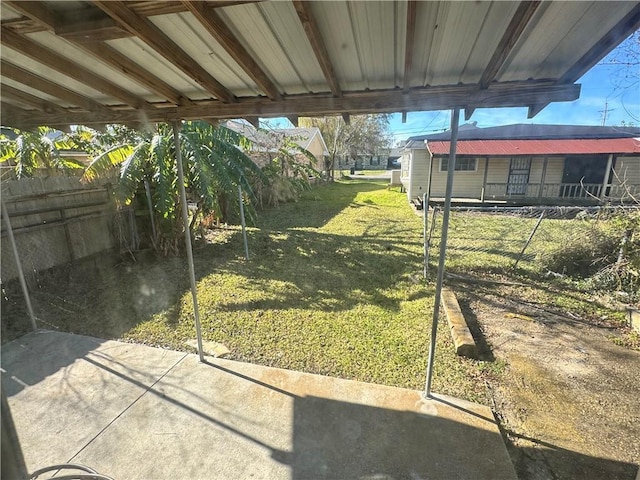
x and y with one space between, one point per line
607 176
244 224
455 119
187 236
16 256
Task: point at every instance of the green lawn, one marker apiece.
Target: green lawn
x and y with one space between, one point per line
334 286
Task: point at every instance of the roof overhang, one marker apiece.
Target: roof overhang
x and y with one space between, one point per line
134 62
516 147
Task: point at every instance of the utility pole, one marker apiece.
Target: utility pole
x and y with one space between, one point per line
605 113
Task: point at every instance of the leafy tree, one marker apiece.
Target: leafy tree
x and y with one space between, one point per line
287 169
363 135
41 150
214 167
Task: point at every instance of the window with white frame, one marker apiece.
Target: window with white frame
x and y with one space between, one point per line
462 164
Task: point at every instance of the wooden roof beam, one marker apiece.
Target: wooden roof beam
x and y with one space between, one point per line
512 34
61 64
39 12
511 94
156 39
412 9
218 29
9 112
468 112
629 24
625 27
52 89
254 121
11 93
303 9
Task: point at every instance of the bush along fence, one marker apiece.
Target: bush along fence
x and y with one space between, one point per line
57 220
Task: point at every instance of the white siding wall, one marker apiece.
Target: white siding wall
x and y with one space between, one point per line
627 170
419 173
466 184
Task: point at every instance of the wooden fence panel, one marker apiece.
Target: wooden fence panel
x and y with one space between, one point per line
55 220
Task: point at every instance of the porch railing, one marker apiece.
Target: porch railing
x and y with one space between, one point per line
584 191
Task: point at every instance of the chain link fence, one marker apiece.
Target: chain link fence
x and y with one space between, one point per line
552 241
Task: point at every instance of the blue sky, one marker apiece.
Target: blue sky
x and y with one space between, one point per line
615 86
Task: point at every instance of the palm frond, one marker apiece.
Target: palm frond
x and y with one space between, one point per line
104 163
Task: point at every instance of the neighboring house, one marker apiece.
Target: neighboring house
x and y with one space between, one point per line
527 164
363 161
265 143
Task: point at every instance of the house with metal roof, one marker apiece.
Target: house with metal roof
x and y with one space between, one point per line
527 164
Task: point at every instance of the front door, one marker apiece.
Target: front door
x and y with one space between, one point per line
518 176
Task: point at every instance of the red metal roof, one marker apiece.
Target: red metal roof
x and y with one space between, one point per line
538 147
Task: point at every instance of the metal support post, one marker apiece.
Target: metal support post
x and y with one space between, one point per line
16 256
430 236
425 216
187 236
455 119
147 190
244 224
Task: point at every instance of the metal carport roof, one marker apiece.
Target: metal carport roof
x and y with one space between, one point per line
79 62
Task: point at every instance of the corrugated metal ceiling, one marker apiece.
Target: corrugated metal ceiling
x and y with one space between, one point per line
337 48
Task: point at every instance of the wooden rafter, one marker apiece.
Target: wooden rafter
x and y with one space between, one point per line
65 66
38 11
151 8
512 34
106 31
412 9
294 120
625 27
629 24
10 93
52 89
310 26
156 39
254 121
512 94
218 29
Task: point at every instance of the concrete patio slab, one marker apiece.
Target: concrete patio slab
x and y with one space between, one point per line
137 412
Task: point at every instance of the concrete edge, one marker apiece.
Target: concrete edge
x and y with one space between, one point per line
463 341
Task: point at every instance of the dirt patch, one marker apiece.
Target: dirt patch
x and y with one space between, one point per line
568 400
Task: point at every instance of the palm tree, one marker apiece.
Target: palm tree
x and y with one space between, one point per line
214 167
39 150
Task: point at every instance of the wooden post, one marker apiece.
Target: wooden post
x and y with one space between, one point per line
543 175
484 180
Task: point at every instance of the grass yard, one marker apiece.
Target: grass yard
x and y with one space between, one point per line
334 286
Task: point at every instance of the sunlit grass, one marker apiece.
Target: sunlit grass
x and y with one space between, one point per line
333 287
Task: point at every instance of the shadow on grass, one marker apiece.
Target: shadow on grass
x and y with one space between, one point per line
321 271
107 295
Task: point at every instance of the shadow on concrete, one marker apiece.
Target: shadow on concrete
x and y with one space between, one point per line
50 353
545 460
